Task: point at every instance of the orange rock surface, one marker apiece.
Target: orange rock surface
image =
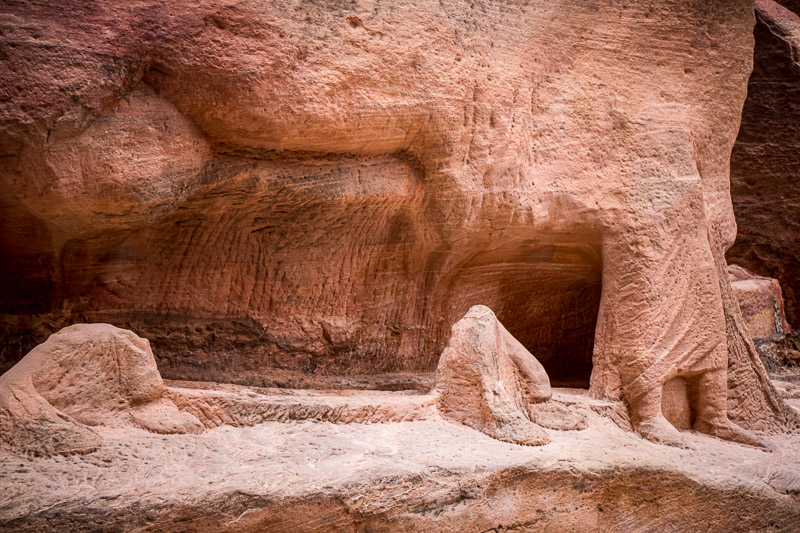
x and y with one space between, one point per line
312 194
84 376
765 163
760 301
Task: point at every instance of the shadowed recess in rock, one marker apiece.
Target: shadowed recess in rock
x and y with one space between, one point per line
766 158
547 296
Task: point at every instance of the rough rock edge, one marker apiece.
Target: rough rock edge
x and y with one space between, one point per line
32 424
488 381
85 375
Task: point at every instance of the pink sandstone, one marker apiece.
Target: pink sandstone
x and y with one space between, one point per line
295 196
760 301
334 461
311 195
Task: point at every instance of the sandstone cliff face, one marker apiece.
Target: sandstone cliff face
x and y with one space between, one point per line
312 194
280 193
765 164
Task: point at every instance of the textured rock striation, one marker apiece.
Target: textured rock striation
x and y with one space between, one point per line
765 164
760 301
383 461
310 194
84 376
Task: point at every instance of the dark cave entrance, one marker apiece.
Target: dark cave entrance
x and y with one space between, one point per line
547 296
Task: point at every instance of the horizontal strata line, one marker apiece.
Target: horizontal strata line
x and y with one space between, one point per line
215 408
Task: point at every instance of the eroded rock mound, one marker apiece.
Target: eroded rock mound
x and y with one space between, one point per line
486 379
84 375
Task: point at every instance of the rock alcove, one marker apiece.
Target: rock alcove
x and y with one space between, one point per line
546 295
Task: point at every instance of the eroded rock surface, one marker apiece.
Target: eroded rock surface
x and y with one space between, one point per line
311 194
428 476
760 301
334 460
765 163
486 380
93 375
84 376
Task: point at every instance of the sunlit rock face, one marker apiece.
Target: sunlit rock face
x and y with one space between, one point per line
311 194
765 164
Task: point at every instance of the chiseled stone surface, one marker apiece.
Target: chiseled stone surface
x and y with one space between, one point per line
251 459
84 376
765 163
761 303
408 476
286 193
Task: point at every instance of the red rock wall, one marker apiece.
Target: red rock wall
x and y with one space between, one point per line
765 164
313 193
